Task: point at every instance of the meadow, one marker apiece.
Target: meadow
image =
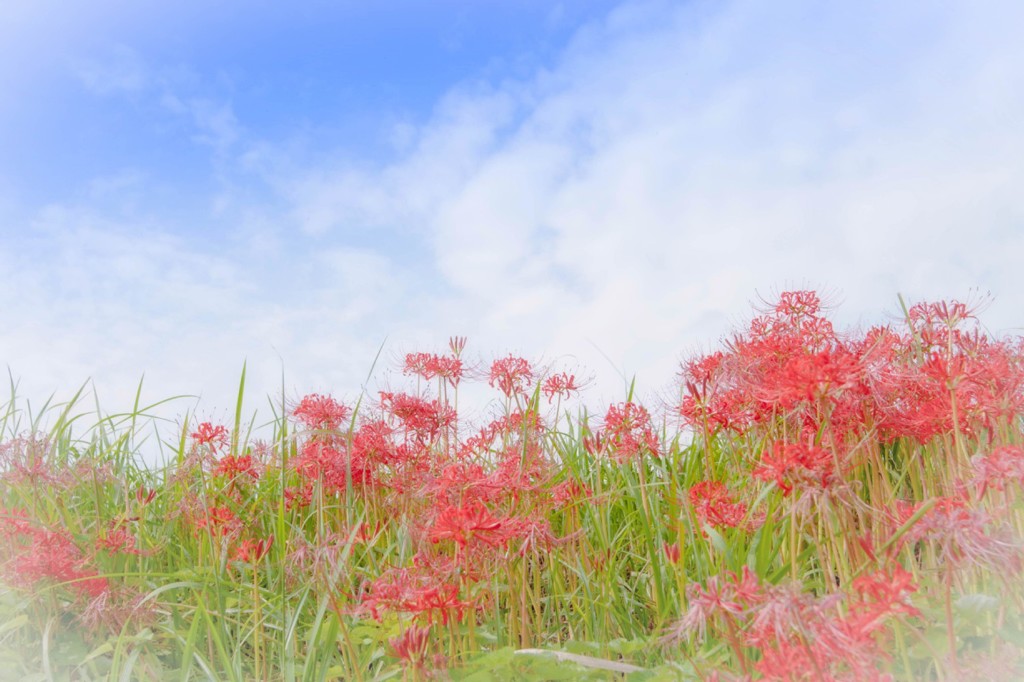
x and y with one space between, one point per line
814 504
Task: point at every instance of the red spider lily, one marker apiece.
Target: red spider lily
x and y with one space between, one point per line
594 445
467 524
298 497
713 505
511 428
963 536
219 520
251 551
729 409
331 463
794 304
803 638
672 552
14 522
52 555
799 636
463 481
457 344
117 540
706 604
812 377
792 464
27 460
511 375
430 366
569 491
628 432
215 437
414 592
882 594
411 646
781 612
144 496
424 418
534 532
372 443
702 370
562 385
942 376
940 314
789 360
321 412
790 661
1005 465
233 467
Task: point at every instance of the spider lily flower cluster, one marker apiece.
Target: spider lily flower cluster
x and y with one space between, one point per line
815 505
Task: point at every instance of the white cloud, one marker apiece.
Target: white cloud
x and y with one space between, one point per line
680 158
629 202
447 151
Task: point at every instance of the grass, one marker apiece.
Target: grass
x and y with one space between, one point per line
817 505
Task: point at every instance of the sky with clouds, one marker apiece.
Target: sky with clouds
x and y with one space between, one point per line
604 186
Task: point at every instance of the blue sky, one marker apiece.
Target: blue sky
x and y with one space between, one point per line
601 185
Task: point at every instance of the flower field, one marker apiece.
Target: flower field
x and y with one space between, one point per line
813 504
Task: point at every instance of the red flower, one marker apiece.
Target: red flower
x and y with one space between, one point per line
208 434
466 524
232 467
412 591
330 460
117 539
628 432
1004 465
321 412
430 366
220 521
411 646
53 555
562 385
881 594
713 505
251 551
791 464
425 418
511 375
144 496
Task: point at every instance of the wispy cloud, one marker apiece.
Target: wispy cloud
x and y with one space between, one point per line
627 201
215 123
678 158
120 72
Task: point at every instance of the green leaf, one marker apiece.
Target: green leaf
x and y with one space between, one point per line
14 623
1012 635
102 649
976 605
